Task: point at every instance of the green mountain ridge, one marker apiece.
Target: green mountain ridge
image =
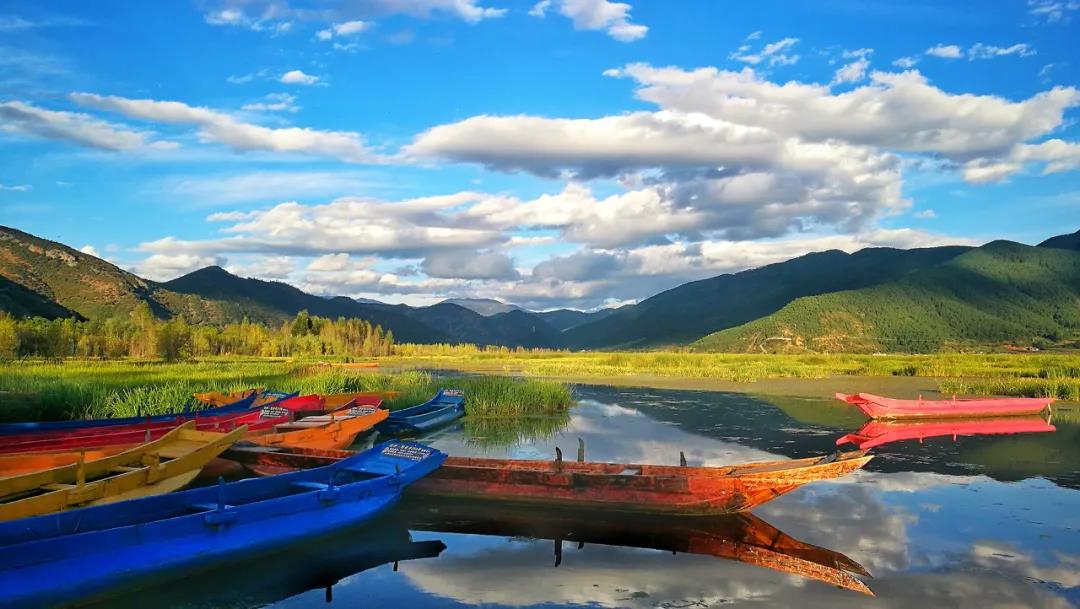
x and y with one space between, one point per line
1000 293
695 309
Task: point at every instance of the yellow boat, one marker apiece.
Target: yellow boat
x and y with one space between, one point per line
162 466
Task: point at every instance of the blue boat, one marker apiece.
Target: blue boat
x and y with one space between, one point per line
90 552
46 426
447 405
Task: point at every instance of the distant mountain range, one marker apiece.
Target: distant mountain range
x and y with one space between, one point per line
876 299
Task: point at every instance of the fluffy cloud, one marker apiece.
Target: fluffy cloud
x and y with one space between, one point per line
215 126
278 16
469 264
16 187
613 17
950 51
1053 11
1052 155
297 77
852 72
986 51
273 102
905 62
165 266
82 129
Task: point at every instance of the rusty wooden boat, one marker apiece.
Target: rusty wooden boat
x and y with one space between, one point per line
878 407
335 430
157 467
879 433
629 488
741 537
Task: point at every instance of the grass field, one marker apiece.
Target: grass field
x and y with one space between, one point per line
51 390
1019 374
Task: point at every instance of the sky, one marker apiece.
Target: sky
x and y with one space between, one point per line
561 153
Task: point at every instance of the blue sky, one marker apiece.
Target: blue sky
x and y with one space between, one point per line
562 153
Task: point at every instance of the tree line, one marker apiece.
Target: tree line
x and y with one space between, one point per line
142 335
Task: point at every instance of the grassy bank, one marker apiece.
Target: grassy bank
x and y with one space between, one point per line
1022 374
50 390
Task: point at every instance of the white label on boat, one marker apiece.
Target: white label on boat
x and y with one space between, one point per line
453 392
273 412
359 411
412 452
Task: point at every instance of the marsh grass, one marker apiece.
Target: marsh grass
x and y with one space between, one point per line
51 390
495 432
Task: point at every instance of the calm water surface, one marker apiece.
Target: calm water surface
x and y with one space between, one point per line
988 521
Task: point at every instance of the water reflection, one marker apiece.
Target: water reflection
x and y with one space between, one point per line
744 538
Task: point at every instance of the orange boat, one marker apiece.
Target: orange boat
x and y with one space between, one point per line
648 489
335 430
878 407
24 463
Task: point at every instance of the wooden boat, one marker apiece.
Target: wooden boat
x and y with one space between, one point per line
647 489
447 405
23 463
217 398
257 420
878 433
85 552
336 430
79 425
741 537
877 407
157 467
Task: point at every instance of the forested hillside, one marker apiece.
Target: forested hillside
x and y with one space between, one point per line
1001 293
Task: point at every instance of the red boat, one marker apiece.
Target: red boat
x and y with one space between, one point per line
877 407
877 433
648 489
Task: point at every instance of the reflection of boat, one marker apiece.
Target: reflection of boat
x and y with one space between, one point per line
85 551
264 579
657 489
447 405
877 407
877 433
742 537
157 467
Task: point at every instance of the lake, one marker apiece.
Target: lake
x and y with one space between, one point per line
981 521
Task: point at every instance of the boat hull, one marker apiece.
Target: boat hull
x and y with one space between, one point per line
446 407
650 489
878 407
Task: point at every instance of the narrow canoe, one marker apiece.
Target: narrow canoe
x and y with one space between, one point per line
91 551
257 420
217 398
878 433
643 489
78 425
330 431
448 405
157 467
741 537
878 407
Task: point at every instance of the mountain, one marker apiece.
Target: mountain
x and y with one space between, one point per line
483 306
1000 293
566 319
1063 242
275 300
89 286
514 328
21 302
693 310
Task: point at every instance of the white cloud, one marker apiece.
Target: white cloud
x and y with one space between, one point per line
351 28
985 51
273 102
89 250
613 17
1053 156
215 126
852 72
297 77
16 187
469 264
278 17
925 214
951 51
905 62
771 54
1053 11
82 129
163 267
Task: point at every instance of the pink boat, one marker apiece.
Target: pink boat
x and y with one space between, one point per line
877 407
877 433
